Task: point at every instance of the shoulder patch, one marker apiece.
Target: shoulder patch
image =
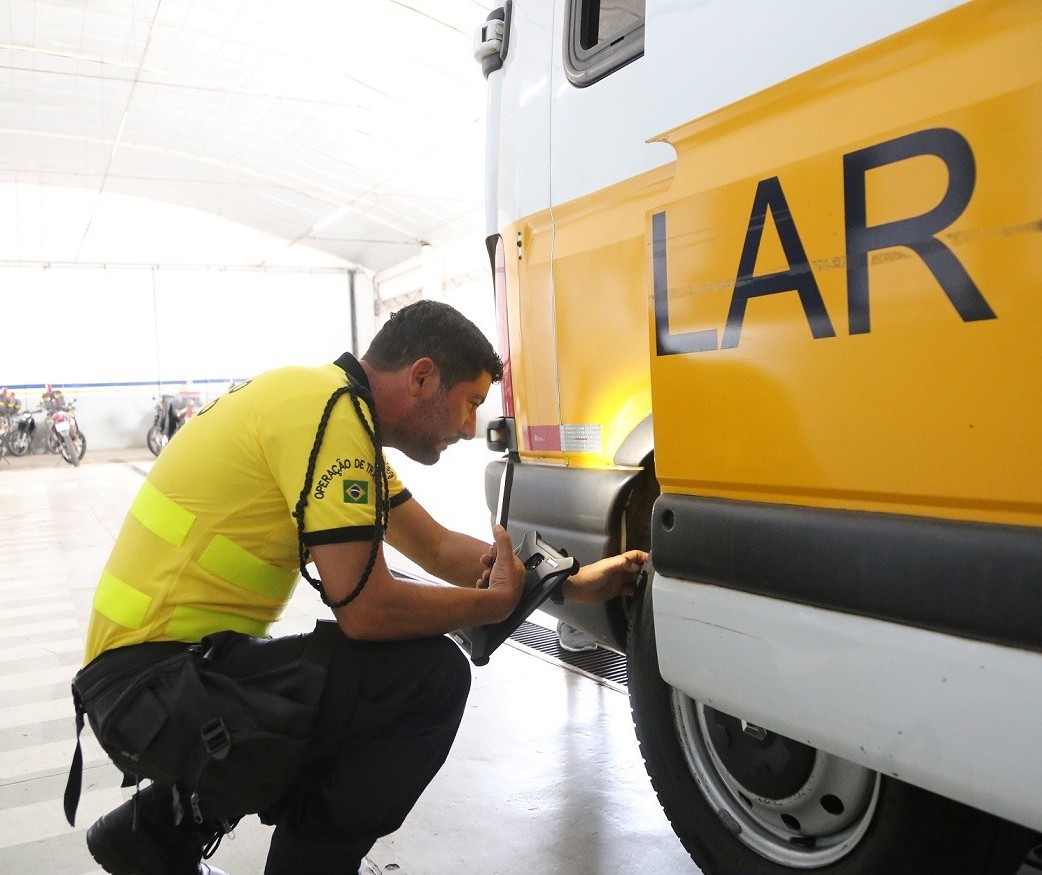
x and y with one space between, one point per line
356 492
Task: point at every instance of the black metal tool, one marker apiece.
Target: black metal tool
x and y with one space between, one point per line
545 571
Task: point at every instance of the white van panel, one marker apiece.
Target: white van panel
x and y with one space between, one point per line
598 139
955 716
699 57
705 55
517 176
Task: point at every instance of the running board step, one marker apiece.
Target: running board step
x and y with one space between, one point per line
602 665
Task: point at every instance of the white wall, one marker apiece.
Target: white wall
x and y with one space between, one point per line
117 300
457 273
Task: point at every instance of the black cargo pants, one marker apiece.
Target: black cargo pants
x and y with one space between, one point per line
386 722
387 717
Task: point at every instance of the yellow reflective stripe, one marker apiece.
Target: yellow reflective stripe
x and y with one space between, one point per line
162 516
120 602
193 624
236 565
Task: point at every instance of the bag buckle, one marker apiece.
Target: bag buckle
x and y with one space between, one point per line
216 738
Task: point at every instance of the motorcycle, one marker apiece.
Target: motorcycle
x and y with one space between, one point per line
20 433
172 412
9 410
63 431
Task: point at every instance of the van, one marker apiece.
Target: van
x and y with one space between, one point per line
769 286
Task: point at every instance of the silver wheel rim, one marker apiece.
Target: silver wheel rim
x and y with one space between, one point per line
819 824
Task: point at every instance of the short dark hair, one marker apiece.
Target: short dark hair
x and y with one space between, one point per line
437 331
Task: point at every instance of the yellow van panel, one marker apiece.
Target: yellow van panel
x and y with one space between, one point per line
583 351
528 248
601 309
911 386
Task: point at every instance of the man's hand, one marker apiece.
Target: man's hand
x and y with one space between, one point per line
606 579
504 573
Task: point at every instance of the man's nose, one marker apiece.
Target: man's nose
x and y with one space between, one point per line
470 427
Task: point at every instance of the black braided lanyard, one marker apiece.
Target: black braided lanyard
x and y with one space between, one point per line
383 504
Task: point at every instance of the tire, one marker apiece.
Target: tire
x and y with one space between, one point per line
18 442
73 448
54 441
156 440
851 821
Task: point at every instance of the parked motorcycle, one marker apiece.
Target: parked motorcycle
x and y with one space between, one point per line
63 431
20 432
10 407
172 412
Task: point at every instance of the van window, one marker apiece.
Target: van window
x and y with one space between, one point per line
602 35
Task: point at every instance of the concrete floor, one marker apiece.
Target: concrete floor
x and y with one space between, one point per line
545 776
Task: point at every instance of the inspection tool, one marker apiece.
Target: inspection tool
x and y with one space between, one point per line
545 572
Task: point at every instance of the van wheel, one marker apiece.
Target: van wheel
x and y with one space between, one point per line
744 799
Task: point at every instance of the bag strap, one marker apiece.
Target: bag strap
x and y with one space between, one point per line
74 784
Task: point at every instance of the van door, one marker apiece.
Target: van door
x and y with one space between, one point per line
602 175
517 183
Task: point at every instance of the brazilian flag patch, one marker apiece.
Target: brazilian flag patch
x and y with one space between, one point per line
356 492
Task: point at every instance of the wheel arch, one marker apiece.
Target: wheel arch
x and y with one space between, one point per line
591 513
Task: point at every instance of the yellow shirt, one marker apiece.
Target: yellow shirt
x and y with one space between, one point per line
210 542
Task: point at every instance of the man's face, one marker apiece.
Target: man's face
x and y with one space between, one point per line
446 416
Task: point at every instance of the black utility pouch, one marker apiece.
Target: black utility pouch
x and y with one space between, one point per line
231 745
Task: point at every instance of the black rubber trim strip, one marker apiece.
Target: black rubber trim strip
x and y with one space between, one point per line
968 579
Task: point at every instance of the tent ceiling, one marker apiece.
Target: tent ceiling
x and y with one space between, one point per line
354 128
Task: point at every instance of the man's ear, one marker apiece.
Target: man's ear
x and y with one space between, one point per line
424 378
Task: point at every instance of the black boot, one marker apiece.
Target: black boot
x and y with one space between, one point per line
155 845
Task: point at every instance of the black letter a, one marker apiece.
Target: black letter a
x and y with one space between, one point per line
797 278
